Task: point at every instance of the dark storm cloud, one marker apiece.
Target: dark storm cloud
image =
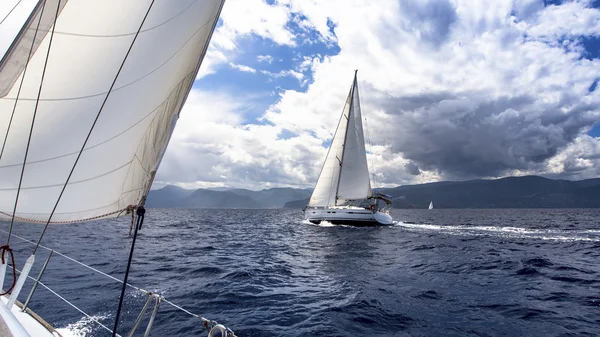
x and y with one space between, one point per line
412 169
476 136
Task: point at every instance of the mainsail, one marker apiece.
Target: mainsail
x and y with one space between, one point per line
345 174
98 66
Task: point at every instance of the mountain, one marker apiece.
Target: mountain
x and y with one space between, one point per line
173 196
296 203
218 199
510 192
168 196
275 197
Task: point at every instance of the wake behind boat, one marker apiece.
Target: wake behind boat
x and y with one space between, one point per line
343 193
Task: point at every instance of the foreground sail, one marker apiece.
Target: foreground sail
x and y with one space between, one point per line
343 191
94 69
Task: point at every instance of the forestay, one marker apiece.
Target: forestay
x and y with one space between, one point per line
345 174
126 145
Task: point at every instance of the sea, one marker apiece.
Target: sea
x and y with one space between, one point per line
440 272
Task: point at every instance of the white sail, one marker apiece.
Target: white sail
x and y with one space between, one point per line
27 41
431 205
354 180
345 174
119 161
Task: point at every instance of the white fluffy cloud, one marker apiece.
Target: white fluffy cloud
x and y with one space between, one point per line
450 89
211 148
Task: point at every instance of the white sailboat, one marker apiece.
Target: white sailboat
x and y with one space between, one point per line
431 205
90 92
343 193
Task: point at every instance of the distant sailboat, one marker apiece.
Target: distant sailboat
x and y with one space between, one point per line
343 193
431 205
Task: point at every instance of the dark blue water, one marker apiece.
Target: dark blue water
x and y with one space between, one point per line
268 273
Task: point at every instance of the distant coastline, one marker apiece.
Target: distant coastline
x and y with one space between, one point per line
509 192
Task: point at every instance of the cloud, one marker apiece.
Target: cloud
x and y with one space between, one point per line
242 19
265 58
284 73
211 147
449 90
456 88
243 68
411 168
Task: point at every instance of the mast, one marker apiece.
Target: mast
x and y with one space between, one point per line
337 188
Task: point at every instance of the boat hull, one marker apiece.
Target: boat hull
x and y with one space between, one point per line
354 216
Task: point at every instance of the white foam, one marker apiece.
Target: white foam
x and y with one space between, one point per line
507 232
81 328
325 223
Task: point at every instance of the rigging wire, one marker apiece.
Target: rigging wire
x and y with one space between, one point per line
10 12
66 301
22 78
130 83
178 307
140 220
354 86
127 34
12 220
92 127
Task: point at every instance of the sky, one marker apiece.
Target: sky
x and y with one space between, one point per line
450 90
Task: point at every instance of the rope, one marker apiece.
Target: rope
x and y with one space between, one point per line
5 249
140 219
130 209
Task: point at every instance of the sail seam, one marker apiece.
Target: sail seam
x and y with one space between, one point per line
22 77
165 102
70 183
10 12
126 34
93 125
87 148
126 85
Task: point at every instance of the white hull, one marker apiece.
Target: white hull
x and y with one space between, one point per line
22 324
357 216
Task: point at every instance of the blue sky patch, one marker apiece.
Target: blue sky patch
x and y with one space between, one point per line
592 47
286 134
593 86
595 131
262 69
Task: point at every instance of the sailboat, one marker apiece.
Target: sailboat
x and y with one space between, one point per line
343 194
431 205
90 92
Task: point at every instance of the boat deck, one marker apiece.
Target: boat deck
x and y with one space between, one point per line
31 322
4 332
